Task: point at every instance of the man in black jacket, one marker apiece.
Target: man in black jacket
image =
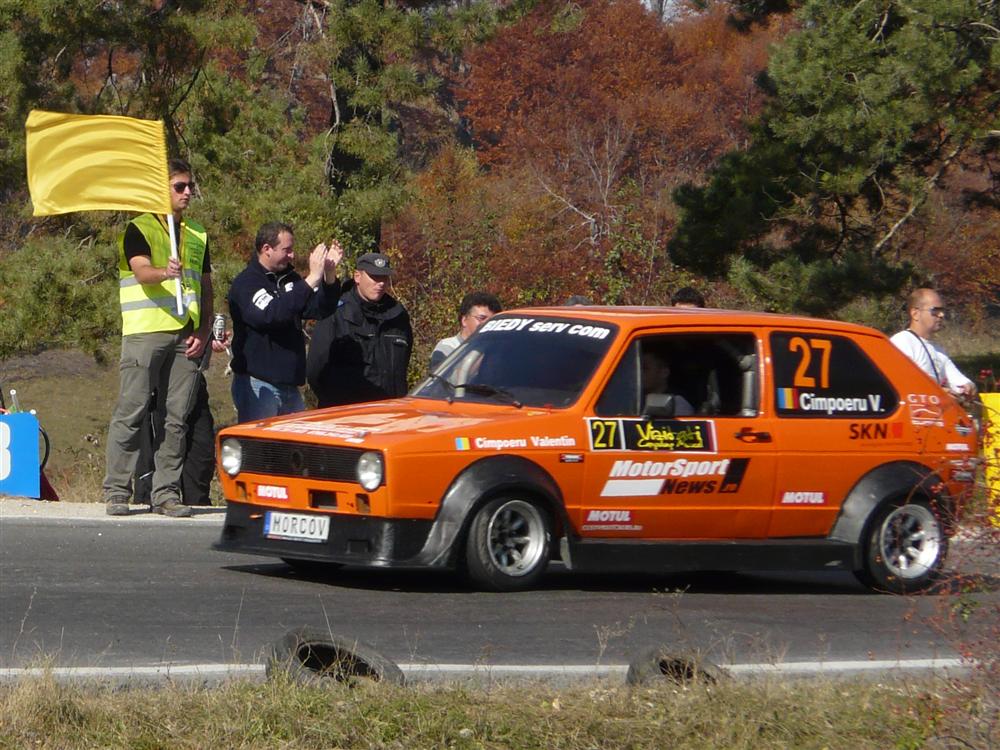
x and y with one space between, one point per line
362 351
268 301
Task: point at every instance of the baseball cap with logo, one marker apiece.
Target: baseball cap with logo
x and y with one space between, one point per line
375 264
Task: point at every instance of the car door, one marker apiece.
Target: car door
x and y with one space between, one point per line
684 453
838 417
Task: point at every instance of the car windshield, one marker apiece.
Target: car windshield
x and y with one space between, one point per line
522 361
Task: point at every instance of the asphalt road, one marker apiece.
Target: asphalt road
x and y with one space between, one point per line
143 590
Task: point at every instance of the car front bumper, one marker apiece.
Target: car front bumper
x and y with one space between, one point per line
352 540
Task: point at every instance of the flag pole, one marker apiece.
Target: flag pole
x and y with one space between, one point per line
178 294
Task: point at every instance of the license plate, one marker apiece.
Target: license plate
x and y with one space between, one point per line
296 526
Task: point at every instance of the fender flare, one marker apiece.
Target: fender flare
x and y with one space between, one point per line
898 479
485 478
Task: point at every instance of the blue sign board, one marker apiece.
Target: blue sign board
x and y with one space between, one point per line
19 470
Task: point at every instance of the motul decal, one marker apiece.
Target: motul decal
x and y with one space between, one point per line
610 520
272 492
803 498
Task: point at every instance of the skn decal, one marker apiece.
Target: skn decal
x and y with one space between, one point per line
875 430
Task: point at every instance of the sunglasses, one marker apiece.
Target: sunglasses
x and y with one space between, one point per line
935 311
180 187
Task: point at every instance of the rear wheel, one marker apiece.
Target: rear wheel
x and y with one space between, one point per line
507 548
904 548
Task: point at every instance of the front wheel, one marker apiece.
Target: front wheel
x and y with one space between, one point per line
507 548
904 548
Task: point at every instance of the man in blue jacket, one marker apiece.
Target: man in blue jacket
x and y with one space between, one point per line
268 301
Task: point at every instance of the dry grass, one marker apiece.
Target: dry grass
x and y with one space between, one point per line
45 714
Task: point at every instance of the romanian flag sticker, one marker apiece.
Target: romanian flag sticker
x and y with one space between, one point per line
786 398
461 444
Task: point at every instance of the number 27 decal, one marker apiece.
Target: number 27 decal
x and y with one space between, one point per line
806 349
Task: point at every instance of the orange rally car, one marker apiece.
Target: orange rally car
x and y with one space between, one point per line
621 439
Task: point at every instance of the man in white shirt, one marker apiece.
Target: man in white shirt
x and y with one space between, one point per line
476 309
926 318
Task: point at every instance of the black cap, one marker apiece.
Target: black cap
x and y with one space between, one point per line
375 264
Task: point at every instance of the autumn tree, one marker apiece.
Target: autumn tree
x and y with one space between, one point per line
875 103
598 110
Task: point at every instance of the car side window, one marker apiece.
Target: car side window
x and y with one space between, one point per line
819 375
705 374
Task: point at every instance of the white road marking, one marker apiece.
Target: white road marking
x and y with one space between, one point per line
183 672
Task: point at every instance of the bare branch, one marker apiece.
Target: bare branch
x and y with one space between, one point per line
928 185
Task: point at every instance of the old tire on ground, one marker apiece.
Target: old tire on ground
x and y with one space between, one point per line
904 548
660 664
311 656
312 568
507 548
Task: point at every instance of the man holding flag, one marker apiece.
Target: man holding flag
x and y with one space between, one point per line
161 347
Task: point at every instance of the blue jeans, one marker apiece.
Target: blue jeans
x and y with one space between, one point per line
257 399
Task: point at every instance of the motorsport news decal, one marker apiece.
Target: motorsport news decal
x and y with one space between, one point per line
652 435
681 476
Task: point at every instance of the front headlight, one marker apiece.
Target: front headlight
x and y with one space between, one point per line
370 470
231 456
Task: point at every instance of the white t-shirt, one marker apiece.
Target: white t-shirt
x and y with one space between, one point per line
444 348
931 360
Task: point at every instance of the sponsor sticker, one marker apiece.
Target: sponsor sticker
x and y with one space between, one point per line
925 409
272 492
461 443
532 325
262 298
609 520
957 447
795 497
875 430
682 476
652 435
360 426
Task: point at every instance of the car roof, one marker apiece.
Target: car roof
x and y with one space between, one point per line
638 317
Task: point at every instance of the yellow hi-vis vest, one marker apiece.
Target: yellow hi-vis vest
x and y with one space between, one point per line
152 308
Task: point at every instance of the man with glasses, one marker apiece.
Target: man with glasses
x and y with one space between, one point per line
476 308
362 351
927 313
161 349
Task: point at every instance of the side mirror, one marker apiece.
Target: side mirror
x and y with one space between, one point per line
659 406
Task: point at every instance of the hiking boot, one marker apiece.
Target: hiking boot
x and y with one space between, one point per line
116 506
173 509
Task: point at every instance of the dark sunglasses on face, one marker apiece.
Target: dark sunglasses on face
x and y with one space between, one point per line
180 187
935 311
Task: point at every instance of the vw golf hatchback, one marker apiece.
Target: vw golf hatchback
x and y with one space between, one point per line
621 439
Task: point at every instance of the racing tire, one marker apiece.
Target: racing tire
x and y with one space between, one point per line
311 657
507 547
904 548
312 568
661 665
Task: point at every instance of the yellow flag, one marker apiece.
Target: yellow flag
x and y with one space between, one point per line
96 163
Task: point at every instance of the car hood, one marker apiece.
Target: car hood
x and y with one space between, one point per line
384 424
